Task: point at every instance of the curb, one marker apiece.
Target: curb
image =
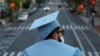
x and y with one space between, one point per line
94 29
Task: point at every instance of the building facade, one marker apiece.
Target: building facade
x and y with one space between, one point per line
97 7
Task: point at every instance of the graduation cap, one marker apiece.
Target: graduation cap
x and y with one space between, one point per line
45 25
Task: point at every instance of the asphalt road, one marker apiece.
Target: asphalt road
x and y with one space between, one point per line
77 34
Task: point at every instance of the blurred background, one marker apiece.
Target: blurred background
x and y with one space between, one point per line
80 20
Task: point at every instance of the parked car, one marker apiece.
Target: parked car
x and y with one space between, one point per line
59 6
31 11
71 9
23 16
46 8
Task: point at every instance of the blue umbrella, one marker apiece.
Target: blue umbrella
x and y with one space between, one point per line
51 48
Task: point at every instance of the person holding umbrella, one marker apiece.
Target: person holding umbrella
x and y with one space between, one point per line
52 41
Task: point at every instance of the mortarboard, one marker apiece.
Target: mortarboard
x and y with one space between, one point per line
45 25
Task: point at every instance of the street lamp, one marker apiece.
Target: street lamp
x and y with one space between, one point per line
81 6
12 5
93 2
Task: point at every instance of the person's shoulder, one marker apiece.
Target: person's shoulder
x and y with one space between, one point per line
37 44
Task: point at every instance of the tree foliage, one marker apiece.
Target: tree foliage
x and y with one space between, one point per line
26 4
16 2
75 2
40 1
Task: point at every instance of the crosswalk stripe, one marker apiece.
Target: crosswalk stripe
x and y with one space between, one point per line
5 54
12 40
63 26
96 54
79 27
19 54
22 28
7 47
10 44
71 26
75 27
67 27
0 43
0 53
9 28
27 27
87 27
19 28
12 54
14 28
83 54
83 28
5 41
6 29
2 47
4 51
90 54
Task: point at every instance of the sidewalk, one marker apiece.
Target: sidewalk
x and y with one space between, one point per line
97 24
96 21
4 22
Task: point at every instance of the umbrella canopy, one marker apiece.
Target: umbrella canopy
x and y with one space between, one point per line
51 48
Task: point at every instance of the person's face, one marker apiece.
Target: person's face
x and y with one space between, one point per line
58 34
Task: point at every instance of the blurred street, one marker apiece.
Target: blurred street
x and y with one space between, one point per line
15 37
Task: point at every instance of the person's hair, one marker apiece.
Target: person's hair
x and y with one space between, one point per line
50 35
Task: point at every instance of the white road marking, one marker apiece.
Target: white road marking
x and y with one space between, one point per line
63 27
0 43
90 54
12 40
0 53
9 28
10 44
96 54
82 27
27 27
15 28
6 41
19 54
12 54
79 27
5 54
4 50
22 28
87 27
79 42
7 47
90 43
83 54
75 27
67 27
2 47
19 28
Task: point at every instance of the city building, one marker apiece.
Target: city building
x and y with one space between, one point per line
97 7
